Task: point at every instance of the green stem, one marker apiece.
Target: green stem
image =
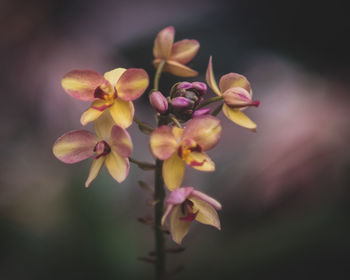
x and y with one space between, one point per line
158 74
175 121
144 127
142 164
209 101
159 195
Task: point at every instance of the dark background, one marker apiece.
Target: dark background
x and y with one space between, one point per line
284 190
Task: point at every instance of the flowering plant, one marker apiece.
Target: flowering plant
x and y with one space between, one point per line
185 130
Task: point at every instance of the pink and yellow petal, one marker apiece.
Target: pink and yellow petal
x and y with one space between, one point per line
184 51
94 170
113 76
163 142
178 228
163 43
237 97
103 126
210 78
75 146
179 69
173 172
239 117
132 84
94 112
81 84
202 196
117 166
201 161
234 80
206 213
122 112
205 131
120 141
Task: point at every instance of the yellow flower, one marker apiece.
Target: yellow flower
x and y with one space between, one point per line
114 91
112 146
175 55
185 205
178 147
237 94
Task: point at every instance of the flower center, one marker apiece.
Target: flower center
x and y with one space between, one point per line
187 211
187 147
105 92
101 149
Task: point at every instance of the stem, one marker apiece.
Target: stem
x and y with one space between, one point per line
209 101
144 127
142 164
158 74
175 121
159 195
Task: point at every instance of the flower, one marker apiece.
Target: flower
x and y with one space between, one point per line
112 147
237 94
185 205
175 55
178 147
115 90
158 102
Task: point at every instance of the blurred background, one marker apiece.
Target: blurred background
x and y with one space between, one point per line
285 189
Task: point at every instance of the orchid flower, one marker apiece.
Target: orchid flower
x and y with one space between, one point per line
175 55
237 94
185 205
115 90
112 147
178 147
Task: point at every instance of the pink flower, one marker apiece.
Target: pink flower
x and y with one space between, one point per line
115 91
112 146
237 94
175 55
185 205
178 147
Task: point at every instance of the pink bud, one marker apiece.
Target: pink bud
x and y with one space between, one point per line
201 87
181 102
158 102
201 112
184 85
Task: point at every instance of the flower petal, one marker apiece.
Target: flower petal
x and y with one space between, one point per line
163 142
81 84
122 112
113 76
173 171
75 146
117 166
239 117
206 213
164 42
202 196
179 195
93 113
94 170
237 97
132 84
121 141
210 78
205 130
201 161
234 80
103 126
184 51
178 228
178 69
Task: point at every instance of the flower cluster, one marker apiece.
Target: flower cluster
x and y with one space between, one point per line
186 128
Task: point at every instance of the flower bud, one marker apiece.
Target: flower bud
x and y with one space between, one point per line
200 87
238 97
181 102
184 85
201 112
158 102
